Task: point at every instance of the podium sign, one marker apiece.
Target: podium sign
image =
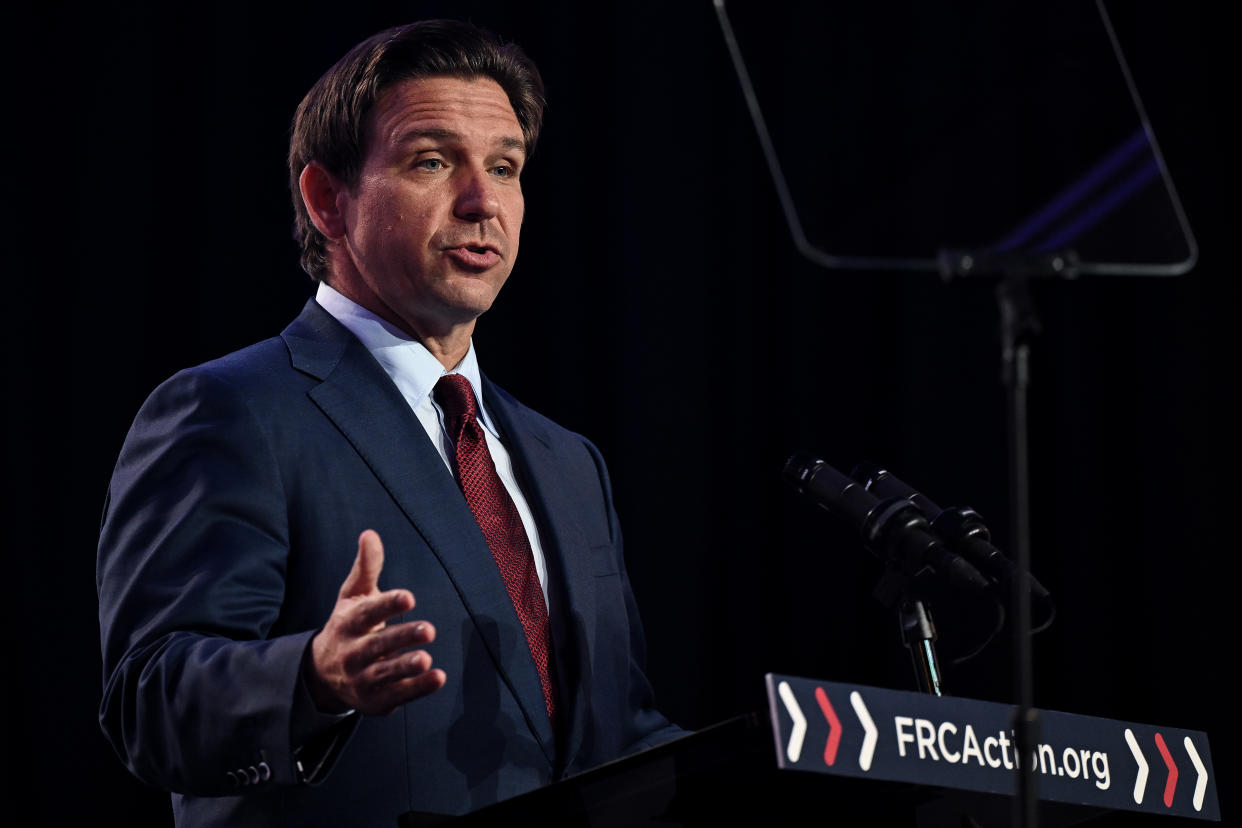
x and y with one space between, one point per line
964 744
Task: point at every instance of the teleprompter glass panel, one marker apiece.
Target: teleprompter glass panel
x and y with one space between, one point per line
901 131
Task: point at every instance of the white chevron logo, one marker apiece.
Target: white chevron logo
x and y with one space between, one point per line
1201 784
1140 784
794 749
864 717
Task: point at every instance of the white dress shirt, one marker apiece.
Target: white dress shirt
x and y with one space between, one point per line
415 372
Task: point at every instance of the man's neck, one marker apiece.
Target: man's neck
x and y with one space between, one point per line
449 349
447 343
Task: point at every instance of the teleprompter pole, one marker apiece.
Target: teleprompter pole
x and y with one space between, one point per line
1018 324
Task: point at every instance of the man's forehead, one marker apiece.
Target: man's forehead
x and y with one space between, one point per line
444 107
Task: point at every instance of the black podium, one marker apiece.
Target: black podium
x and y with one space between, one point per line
726 775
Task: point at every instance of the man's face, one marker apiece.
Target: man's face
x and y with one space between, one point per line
432 226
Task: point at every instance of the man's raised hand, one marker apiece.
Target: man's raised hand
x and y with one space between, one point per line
357 660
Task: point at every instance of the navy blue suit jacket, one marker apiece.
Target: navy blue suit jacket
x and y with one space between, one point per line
232 519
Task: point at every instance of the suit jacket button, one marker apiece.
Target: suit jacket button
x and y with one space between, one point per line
252 775
233 778
265 772
242 776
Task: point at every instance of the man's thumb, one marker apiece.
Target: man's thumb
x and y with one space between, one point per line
363 579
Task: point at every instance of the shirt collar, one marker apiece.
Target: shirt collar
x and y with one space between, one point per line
406 360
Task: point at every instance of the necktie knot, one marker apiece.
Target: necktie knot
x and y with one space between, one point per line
456 397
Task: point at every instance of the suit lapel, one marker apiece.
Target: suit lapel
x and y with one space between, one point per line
360 399
572 596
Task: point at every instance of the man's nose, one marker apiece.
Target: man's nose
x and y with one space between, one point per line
476 198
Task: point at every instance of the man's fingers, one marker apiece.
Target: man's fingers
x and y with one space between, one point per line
363 579
390 695
363 615
399 667
382 645
415 687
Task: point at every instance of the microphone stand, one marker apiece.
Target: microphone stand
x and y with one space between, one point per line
918 631
918 634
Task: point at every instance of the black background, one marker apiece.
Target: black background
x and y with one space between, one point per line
658 307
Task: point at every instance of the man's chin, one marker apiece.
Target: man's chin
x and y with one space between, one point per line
469 295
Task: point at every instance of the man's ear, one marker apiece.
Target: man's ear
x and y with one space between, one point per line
320 193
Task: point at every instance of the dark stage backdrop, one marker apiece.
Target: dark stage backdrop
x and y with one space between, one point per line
659 308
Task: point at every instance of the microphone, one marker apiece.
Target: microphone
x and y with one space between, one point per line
961 527
894 529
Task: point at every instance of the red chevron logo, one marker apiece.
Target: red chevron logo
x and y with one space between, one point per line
1170 784
834 726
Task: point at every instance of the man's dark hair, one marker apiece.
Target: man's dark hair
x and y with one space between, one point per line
331 123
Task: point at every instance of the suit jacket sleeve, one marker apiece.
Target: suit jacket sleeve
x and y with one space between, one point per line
191 578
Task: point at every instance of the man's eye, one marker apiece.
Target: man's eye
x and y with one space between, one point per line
431 164
504 171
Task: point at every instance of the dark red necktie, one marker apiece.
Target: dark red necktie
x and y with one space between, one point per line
498 518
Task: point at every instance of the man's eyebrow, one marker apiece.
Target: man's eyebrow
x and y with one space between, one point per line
511 143
508 142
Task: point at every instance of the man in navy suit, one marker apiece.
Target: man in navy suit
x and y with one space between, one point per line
274 513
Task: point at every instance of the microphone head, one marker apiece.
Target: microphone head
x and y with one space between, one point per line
894 529
801 467
829 488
